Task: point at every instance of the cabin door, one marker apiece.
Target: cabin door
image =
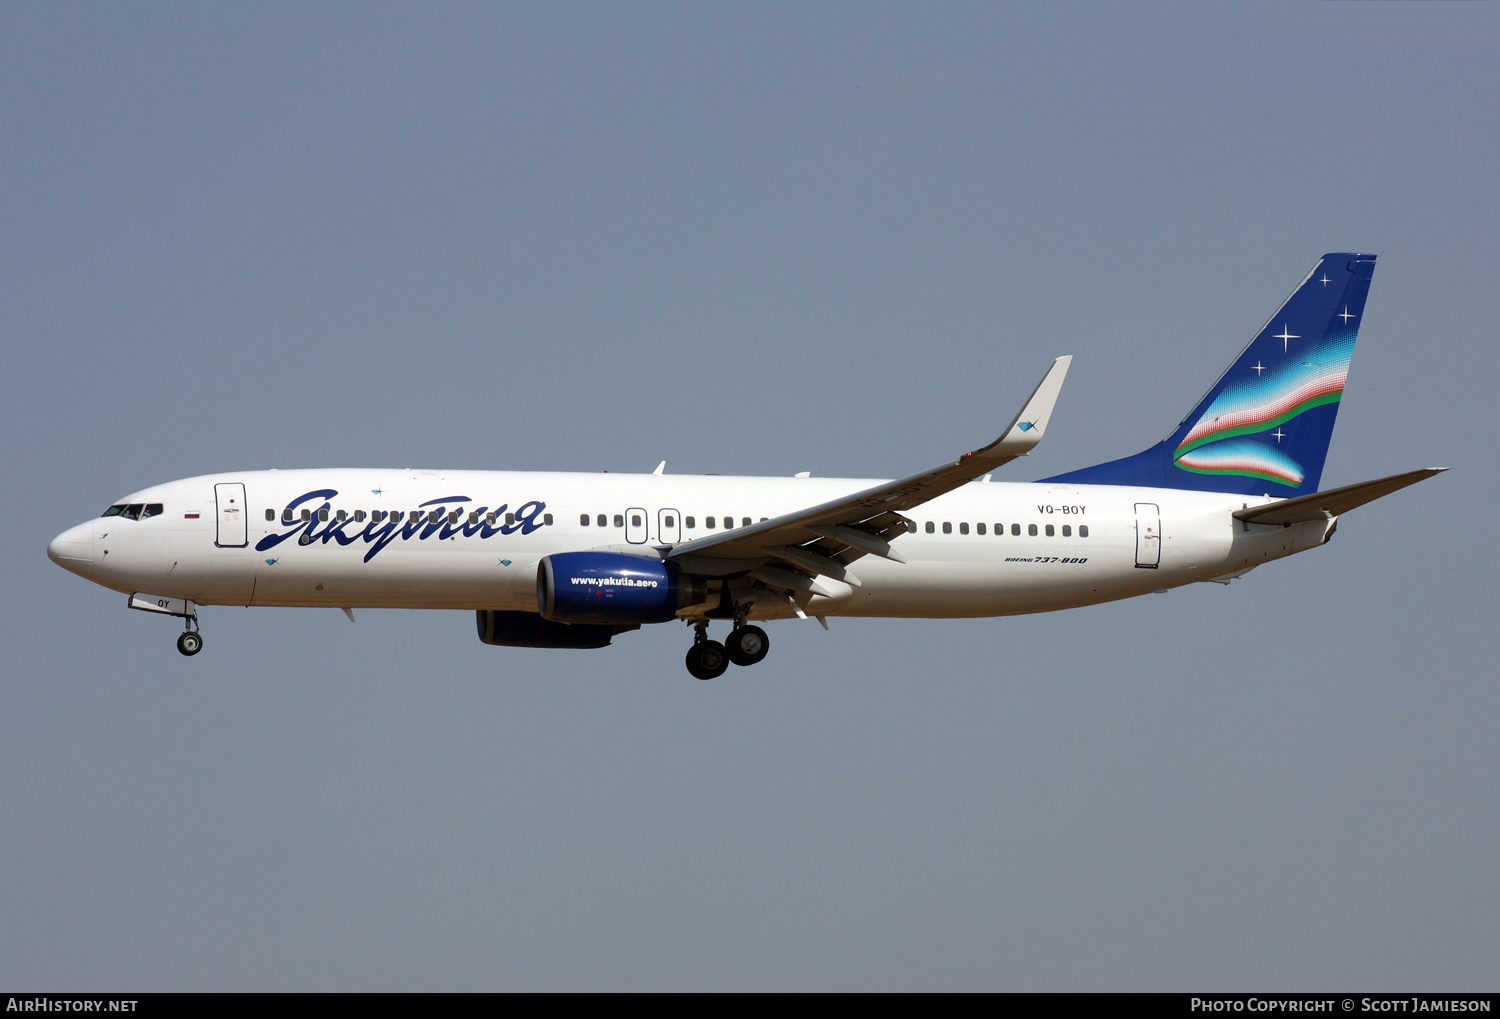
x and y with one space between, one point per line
231 515
635 525
1147 535
668 527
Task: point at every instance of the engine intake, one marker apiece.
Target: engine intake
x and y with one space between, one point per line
611 588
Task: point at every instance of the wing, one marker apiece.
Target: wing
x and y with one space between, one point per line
824 539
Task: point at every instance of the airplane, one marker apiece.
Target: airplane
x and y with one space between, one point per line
571 560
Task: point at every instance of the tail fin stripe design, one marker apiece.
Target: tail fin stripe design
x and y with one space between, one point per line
1258 405
1269 418
1237 456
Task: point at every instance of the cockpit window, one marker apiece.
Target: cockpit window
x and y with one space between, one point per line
153 509
114 511
133 511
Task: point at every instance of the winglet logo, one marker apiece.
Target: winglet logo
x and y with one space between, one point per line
1026 426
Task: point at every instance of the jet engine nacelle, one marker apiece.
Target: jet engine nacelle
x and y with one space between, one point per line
611 588
527 629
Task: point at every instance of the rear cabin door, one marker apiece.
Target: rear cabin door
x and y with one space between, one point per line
231 513
1147 535
668 527
635 525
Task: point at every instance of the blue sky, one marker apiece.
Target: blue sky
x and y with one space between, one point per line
844 239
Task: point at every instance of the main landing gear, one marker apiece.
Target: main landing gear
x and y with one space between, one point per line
708 659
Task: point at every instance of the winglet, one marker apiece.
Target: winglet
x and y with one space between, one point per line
1029 426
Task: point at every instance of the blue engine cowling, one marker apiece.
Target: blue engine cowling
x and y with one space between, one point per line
610 588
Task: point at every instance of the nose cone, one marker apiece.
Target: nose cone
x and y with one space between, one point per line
73 549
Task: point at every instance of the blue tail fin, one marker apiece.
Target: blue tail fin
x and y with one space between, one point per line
1265 426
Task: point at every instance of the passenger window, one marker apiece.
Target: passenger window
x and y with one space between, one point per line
669 521
1067 531
691 522
434 515
963 528
583 520
547 519
489 519
979 528
911 527
323 514
452 517
271 515
1015 529
1083 530
473 517
286 515
1031 530
377 515
306 515
744 521
764 519
133 511
931 527
947 527
708 522
114 511
619 520
359 516
635 520
396 515
343 515
728 523
510 518
601 520
1049 530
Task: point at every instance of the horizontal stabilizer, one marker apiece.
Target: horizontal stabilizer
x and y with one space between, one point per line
1322 505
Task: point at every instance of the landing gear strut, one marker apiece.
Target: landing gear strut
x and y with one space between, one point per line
706 659
190 641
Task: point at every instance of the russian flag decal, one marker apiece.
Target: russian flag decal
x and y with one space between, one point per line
190 516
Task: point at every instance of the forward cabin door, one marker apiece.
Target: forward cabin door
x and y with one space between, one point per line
1147 535
635 525
231 513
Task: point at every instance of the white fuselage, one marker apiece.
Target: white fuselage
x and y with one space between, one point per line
1138 539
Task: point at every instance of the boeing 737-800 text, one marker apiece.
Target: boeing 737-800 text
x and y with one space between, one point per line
570 560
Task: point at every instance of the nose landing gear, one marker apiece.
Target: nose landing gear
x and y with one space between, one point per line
190 641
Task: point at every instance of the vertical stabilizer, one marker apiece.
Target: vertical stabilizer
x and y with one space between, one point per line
1265 426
